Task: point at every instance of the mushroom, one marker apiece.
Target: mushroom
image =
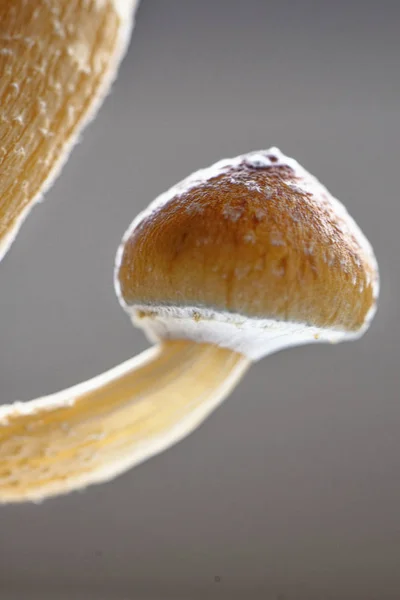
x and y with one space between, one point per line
238 261
247 257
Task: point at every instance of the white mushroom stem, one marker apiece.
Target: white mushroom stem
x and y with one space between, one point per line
96 430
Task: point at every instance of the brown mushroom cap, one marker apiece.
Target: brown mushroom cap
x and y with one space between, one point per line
258 236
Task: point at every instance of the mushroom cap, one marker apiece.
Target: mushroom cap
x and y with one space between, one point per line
255 239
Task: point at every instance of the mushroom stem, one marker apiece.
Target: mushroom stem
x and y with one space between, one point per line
96 430
57 62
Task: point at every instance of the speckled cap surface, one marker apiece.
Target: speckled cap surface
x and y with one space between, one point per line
258 236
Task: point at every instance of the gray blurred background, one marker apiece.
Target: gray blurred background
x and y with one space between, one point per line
291 490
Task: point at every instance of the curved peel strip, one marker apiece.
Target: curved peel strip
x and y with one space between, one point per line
97 430
58 59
